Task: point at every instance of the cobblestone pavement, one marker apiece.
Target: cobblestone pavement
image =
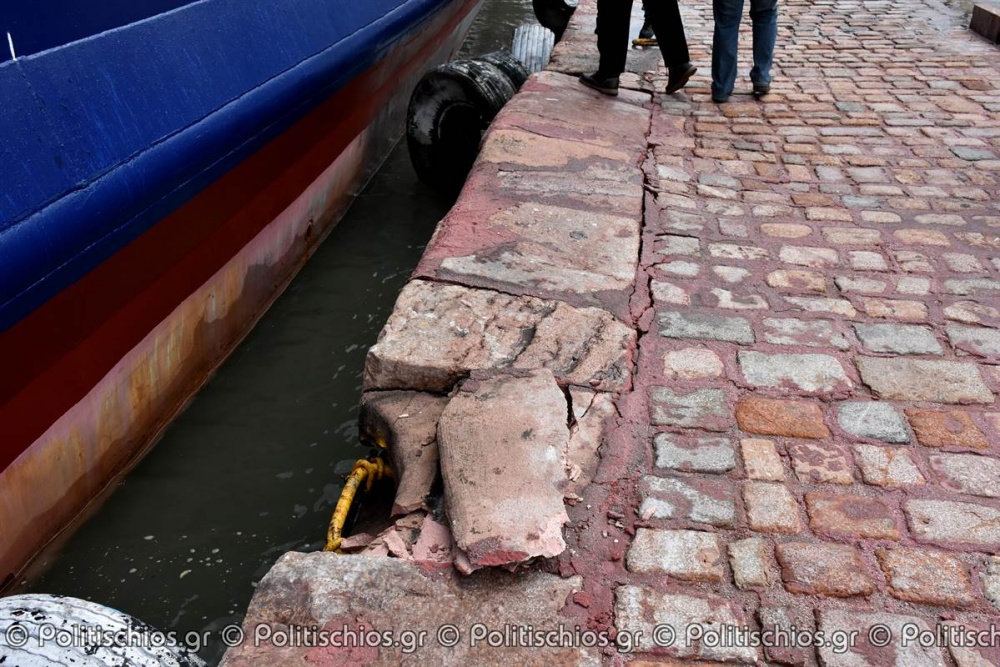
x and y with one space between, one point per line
813 441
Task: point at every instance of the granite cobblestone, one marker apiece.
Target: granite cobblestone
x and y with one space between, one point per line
817 413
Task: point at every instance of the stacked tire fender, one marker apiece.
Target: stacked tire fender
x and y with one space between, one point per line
450 109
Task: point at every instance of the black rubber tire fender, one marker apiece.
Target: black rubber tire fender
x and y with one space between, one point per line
508 63
553 14
449 110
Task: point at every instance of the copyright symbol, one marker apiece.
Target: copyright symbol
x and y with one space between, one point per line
880 635
664 635
233 635
16 636
449 636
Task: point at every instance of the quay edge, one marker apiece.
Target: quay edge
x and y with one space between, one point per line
530 280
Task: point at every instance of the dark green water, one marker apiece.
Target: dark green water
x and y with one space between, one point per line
254 466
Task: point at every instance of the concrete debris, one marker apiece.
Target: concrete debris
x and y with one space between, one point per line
416 537
356 542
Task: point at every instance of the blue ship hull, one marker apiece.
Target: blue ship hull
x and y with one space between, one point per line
167 167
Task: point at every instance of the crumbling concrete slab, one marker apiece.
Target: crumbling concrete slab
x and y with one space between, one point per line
405 423
334 593
501 441
591 412
437 334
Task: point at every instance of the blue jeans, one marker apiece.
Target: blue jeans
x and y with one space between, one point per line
728 13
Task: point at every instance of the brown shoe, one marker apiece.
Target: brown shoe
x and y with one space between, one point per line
679 77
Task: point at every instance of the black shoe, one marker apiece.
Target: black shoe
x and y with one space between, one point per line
602 84
679 77
761 89
719 100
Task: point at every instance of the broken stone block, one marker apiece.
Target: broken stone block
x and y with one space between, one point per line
889 467
405 424
980 341
437 334
795 373
590 410
954 523
750 562
345 593
694 454
873 419
787 620
356 542
501 440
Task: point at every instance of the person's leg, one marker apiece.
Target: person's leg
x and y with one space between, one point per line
613 18
669 28
665 16
764 14
647 26
725 46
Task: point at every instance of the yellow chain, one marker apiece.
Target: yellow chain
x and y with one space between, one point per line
364 471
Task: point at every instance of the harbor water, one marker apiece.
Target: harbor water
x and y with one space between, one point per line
254 465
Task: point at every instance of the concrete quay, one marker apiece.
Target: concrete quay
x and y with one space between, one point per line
689 368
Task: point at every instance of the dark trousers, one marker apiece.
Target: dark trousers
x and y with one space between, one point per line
613 19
